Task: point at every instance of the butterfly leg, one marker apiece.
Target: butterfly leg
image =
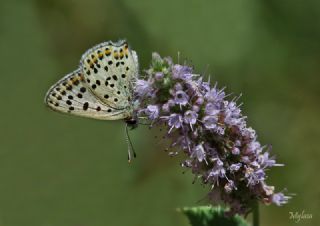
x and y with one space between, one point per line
130 146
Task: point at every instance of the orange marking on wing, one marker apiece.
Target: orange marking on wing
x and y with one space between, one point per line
81 77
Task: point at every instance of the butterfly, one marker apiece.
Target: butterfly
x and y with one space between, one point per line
101 88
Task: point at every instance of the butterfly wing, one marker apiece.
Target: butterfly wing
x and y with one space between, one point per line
72 95
110 69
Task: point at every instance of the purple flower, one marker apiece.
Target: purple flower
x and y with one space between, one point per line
232 110
221 150
143 88
204 86
178 86
186 143
200 86
253 147
217 172
210 122
198 152
215 95
195 108
265 161
181 98
219 130
245 159
190 117
181 72
152 111
211 109
166 108
235 167
158 76
235 151
279 199
229 186
183 141
232 114
219 162
174 121
269 190
254 177
248 133
199 100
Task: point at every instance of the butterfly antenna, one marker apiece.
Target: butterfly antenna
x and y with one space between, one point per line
130 146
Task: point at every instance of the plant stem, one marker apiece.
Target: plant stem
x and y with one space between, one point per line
255 214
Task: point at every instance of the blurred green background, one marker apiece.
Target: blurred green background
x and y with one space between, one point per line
62 170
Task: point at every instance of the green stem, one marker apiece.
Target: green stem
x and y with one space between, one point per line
255 214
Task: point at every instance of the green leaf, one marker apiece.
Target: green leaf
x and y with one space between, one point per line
211 216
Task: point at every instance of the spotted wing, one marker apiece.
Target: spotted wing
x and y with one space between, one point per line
72 95
110 69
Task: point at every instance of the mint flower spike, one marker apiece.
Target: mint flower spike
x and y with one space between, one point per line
221 150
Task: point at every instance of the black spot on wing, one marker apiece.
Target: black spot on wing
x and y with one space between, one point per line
85 106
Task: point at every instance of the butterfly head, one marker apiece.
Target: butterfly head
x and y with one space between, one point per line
132 122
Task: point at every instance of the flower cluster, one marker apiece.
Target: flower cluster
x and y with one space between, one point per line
221 150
